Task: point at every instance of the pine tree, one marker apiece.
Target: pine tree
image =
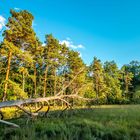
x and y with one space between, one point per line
75 65
98 79
18 33
127 79
35 49
54 57
112 80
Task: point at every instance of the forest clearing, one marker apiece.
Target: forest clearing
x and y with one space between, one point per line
83 87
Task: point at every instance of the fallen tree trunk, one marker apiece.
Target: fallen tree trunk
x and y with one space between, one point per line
9 123
63 98
20 103
16 103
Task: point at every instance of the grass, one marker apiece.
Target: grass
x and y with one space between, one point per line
108 122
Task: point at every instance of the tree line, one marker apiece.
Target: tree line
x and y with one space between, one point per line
28 69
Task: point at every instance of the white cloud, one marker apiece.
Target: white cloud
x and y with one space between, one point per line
80 54
17 9
66 42
2 22
80 46
71 45
44 44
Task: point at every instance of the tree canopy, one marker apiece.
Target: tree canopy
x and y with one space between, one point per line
30 69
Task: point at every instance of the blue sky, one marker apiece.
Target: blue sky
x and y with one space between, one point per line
108 29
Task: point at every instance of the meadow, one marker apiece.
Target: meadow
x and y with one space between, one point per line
106 122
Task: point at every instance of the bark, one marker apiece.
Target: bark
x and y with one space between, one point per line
126 84
23 81
17 103
9 123
45 80
55 82
7 76
20 104
35 86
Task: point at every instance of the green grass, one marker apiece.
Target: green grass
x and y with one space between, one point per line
109 122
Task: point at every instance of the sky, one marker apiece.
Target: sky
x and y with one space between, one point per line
107 29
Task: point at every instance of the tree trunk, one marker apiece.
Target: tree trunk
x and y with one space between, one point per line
45 80
97 88
23 81
62 89
10 124
126 85
7 76
54 83
35 72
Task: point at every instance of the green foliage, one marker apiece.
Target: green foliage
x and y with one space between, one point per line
15 92
34 70
29 69
112 81
99 85
75 64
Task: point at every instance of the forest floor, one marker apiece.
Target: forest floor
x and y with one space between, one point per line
107 122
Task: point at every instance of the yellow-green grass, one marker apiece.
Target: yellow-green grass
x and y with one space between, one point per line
107 122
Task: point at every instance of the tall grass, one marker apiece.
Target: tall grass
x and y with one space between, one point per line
100 122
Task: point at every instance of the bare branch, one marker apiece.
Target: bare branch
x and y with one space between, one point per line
26 111
70 82
9 123
48 108
39 108
18 103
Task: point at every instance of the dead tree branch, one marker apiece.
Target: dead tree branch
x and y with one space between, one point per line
9 123
20 103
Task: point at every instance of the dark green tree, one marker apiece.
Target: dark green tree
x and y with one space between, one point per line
112 77
19 30
99 85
